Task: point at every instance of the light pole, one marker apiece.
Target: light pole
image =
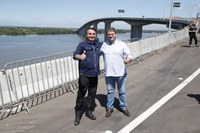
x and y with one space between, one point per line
170 21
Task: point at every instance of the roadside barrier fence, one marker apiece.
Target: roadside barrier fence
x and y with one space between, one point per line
24 80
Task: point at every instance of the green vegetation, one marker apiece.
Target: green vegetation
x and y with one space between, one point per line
35 31
52 31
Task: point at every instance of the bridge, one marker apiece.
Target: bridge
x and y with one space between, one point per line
136 24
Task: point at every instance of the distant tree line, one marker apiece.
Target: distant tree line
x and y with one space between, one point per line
35 31
52 31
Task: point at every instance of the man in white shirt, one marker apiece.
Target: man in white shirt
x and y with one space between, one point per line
116 55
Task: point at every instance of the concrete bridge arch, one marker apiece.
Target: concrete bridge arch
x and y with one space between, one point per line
136 25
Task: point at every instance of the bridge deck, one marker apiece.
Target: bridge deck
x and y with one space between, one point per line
147 83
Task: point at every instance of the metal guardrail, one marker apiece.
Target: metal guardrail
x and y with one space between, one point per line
1 95
22 81
28 79
155 43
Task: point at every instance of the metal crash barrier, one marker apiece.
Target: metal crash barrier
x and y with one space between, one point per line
28 79
23 81
153 44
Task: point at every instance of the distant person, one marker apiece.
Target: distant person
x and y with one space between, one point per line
116 55
192 34
87 53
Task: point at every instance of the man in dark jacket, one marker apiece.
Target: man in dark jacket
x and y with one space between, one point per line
192 34
88 54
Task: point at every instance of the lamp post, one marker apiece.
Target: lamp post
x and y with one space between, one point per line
173 4
170 21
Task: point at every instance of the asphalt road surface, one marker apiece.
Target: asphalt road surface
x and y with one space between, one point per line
163 96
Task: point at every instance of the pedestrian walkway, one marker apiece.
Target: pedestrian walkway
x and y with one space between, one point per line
147 82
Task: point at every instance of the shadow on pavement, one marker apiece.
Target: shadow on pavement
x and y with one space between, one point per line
196 96
102 98
186 46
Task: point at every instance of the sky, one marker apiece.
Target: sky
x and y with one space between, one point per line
75 13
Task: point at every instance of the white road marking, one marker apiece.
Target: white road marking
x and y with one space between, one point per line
180 78
133 124
108 131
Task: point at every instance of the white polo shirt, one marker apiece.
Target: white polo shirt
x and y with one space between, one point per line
114 54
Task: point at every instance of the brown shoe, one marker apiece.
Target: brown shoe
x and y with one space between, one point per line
126 112
108 112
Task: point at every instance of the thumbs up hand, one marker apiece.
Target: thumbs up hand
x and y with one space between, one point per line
83 55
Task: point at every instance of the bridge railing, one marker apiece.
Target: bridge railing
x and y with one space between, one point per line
24 80
1 96
34 77
155 43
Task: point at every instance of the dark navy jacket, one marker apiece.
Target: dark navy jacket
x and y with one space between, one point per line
90 66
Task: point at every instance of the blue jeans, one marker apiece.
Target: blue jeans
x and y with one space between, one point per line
121 86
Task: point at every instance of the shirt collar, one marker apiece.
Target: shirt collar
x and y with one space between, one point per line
110 43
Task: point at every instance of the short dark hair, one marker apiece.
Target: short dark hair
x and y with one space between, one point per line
111 29
91 28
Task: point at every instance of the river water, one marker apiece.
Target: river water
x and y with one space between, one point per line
14 48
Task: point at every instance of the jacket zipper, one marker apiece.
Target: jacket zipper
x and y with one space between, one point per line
95 65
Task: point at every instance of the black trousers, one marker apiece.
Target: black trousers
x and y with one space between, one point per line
193 37
86 85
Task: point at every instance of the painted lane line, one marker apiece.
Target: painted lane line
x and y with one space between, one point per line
133 124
